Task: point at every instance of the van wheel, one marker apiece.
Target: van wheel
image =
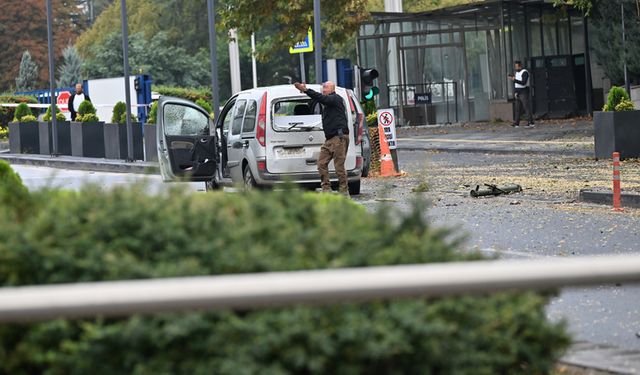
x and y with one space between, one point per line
354 188
249 181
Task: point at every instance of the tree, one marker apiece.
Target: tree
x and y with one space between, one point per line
291 20
606 37
23 25
71 69
28 75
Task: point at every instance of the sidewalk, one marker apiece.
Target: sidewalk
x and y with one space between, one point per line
565 137
588 358
89 164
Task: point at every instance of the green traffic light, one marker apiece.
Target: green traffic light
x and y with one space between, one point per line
373 92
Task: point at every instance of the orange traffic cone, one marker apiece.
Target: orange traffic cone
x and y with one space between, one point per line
387 169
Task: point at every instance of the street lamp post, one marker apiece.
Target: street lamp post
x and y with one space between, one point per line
317 40
627 85
127 94
52 81
214 58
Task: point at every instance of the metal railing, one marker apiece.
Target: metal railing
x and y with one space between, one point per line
250 291
444 95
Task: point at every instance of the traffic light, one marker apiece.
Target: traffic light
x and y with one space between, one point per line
368 89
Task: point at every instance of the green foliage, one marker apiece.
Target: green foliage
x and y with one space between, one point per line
606 37
86 107
168 63
123 118
625 105
28 118
191 94
4 133
584 6
70 71
153 113
93 234
206 105
421 188
118 110
7 114
616 96
59 114
28 74
21 110
291 20
14 196
87 117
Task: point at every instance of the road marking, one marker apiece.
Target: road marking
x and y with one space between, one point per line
447 140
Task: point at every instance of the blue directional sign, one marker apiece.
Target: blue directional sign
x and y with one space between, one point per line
305 46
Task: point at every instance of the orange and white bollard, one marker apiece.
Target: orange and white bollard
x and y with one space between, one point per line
616 182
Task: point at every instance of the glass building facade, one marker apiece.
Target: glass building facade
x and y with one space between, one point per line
461 57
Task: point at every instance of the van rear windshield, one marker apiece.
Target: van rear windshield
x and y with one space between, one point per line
296 115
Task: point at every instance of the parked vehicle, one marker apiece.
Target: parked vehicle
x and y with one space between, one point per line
363 133
262 137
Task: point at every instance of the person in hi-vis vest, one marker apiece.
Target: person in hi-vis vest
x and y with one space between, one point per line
522 94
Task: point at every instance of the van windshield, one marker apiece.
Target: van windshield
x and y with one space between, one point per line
296 115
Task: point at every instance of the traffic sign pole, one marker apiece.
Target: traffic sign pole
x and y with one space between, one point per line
127 93
302 72
318 36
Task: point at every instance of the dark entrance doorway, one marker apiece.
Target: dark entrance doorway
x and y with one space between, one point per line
554 85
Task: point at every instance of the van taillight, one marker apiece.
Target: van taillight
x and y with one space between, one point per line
262 122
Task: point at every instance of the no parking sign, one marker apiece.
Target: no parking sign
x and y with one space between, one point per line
387 119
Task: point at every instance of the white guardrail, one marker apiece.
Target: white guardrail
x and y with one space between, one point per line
250 291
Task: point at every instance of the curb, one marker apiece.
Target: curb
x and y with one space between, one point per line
601 359
576 153
88 164
606 197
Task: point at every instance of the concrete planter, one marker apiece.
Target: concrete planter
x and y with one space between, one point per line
87 139
617 132
24 138
115 141
150 140
63 131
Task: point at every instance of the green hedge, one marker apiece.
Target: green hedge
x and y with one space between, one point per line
192 94
63 236
8 113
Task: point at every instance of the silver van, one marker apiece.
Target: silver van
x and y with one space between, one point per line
263 136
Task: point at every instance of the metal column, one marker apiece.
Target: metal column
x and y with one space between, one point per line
127 93
52 81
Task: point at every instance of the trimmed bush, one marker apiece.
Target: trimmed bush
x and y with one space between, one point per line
205 105
118 110
14 196
153 113
123 118
625 105
7 114
87 117
86 107
28 118
191 94
616 96
21 111
125 233
59 114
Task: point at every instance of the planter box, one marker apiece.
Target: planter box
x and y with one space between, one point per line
617 132
23 138
150 142
115 141
87 139
46 137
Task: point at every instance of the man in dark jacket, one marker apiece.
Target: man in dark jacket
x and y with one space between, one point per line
75 99
336 132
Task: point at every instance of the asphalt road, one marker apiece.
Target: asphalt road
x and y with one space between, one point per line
517 226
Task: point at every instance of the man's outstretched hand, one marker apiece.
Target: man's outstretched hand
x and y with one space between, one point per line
300 86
